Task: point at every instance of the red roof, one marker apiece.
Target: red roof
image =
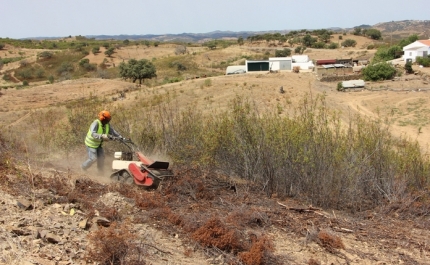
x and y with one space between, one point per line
326 61
425 42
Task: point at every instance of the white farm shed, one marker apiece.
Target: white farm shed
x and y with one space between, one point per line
235 69
418 48
280 63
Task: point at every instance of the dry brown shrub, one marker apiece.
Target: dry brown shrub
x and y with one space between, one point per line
243 217
214 233
110 213
190 186
113 245
313 262
149 200
330 241
190 222
165 213
259 253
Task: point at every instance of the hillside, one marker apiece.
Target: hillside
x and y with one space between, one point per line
397 30
55 214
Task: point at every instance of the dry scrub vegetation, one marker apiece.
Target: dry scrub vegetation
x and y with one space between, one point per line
303 177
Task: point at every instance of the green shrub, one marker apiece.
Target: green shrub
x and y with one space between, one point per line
96 50
340 87
25 74
208 82
283 53
25 83
46 55
424 61
379 71
333 46
65 67
349 43
40 72
408 68
318 45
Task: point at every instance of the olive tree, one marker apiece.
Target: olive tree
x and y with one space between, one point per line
137 70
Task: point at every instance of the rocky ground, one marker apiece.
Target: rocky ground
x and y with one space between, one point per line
52 217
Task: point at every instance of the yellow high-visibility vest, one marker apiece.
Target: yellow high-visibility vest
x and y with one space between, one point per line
92 142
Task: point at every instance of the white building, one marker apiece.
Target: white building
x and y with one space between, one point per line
280 64
418 48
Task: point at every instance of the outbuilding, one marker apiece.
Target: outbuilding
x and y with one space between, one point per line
235 69
257 66
280 63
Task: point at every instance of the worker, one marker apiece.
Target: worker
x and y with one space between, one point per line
100 131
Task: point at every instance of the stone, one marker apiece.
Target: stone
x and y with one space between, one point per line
52 238
101 221
83 224
24 204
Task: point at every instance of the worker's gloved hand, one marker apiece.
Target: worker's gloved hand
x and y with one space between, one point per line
105 137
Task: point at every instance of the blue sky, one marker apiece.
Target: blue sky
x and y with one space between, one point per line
59 18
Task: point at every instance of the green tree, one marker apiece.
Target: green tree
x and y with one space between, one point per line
137 70
379 71
211 44
387 53
374 34
357 31
308 40
240 41
319 45
1 46
283 53
300 49
325 37
412 38
126 42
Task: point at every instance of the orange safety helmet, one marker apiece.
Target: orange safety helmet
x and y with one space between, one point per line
104 115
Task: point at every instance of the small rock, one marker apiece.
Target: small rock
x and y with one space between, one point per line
43 233
101 221
52 238
83 224
24 204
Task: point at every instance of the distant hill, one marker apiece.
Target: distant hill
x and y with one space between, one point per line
404 28
393 29
183 37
